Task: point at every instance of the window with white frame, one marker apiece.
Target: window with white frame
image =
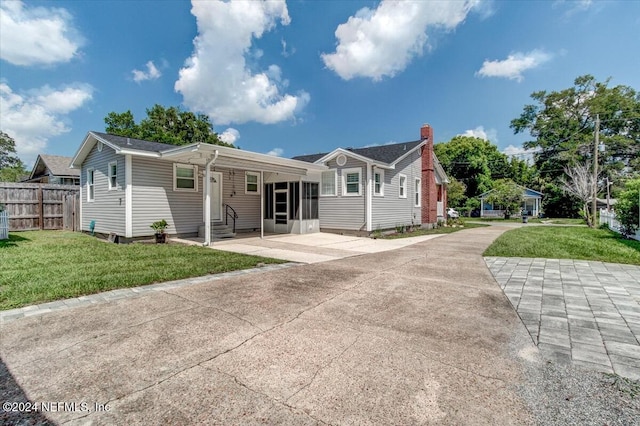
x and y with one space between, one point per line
378 183
252 183
90 187
328 185
418 192
185 177
402 186
351 182
113 175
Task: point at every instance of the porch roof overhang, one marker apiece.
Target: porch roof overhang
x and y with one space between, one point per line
200 153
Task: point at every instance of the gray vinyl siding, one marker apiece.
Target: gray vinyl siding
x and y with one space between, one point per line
154 199
108 207
390 210
344 212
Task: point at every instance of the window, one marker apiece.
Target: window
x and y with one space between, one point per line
378 183
113 175
418 192
402 191
252 183
310 200
328 188
90 188
185 177
351 182
294 200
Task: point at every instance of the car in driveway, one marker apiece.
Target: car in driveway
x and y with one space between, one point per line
452 213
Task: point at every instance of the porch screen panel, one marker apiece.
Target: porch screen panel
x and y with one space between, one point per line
310 200
294 199
268 201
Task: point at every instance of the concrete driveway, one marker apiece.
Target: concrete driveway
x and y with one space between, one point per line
418 335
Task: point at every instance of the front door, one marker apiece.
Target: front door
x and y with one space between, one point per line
281 213
216 196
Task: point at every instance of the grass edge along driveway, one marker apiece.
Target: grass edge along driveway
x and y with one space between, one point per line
42 266
565 242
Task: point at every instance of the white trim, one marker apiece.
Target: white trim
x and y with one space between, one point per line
91 185
258 183
346 172
402 187
341 160
128 196
110 176
335 183
262 207
352 154
369 203
417 183
381 174
195 177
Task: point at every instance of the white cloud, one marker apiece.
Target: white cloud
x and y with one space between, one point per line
36 35
479 132
515 64
521 153
573 6
382 42
34 117
216 79
230 135
276 152
152 73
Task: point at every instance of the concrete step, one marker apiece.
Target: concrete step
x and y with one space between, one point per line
218 231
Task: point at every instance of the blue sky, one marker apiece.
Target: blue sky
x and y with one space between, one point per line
301 77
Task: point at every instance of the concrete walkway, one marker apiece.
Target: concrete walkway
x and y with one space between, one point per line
583 312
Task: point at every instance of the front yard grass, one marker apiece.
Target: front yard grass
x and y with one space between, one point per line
564 242
439 230
42 266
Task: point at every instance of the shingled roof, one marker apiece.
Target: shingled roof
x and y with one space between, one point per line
57 165
131 143
382 153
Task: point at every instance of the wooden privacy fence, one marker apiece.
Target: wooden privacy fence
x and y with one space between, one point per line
34 206
4 225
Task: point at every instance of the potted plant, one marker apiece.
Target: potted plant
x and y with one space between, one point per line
159 226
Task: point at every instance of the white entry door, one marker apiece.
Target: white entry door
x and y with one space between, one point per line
216 196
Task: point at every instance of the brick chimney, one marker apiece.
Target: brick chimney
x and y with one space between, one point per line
429 189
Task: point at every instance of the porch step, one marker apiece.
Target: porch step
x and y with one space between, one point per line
219 231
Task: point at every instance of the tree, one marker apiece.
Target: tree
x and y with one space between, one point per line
170 125
11 167
455 192
628 209
507 194
580 185
562 125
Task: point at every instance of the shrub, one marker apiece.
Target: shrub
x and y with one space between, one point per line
627 207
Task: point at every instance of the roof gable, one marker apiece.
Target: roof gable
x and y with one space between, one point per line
386 154
58 166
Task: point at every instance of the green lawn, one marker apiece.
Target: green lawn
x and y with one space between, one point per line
564 242
440 230
42 266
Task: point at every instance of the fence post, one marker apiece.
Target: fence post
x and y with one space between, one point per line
41 204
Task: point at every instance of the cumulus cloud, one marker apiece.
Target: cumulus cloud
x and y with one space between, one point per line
152 73
216 79
276 152
36 35
34 117
480 132
515 64
382 42
230 135
521 153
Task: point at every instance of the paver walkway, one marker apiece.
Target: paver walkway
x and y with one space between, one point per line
583 312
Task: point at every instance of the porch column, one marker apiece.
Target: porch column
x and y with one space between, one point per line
369 194
207 199
262 204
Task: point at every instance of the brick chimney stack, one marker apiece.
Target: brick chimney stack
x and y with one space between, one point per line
429 188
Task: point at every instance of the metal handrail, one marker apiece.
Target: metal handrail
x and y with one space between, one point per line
234 216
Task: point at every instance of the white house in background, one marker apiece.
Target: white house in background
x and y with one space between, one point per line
530 205
53 169
212 191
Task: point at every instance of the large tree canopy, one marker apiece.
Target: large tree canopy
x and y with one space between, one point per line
11 167
170 125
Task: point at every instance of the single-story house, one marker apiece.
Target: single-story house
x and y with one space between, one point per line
53 169
530 205
127 184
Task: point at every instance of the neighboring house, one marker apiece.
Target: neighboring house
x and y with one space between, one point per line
382 187
530 205
54 169
127 184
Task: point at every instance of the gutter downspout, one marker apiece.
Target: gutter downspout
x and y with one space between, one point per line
207 199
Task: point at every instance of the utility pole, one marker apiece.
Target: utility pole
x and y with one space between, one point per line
596 144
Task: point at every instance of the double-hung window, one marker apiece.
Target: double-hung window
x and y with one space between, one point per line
90 186
378 183
252 183
185 177
402 188
351 182
418 192
328 184
113 175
